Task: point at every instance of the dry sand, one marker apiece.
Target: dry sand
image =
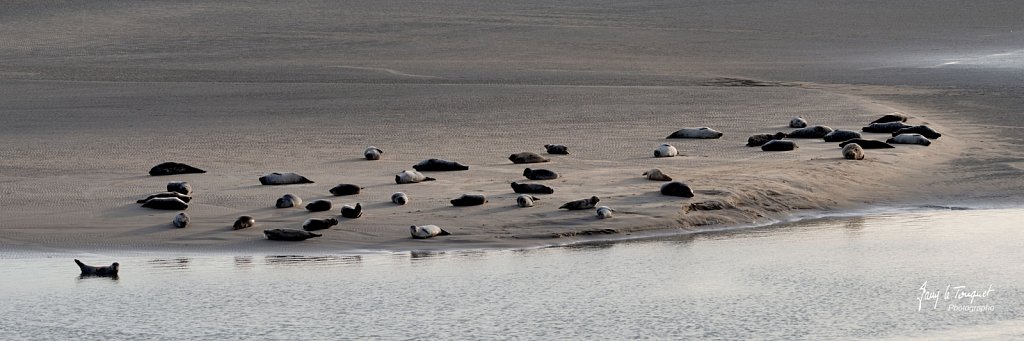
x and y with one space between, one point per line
95 95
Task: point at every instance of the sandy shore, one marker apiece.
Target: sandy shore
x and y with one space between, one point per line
82 120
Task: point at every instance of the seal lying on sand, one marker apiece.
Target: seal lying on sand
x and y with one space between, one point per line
345 189
797 122
922 129
527 157
469 200
426 231
557 149
867 144
411 177
666 150
841 135
695 133
352 212
399 198
182 187
101 271
165 204
539 174
531 188
439 165
779 146
582 204
676 189
525 200
319 206
853 151
604 212
173 168
656 175
289 235
243 222
891 117
884 127
183 197
284 179
288 200
815 132
910 139
181 220
372 153
312 224
760 139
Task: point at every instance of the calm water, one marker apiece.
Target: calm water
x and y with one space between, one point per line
836 278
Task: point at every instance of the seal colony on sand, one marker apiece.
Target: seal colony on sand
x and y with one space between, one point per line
426 231
760 139
867 144
165 204
289 235
288 200
313 224
469 200
531 188
183 197
243 222
676 189
815 132
372 153
655 174
527 157
910 139
539 174
173 168
399 198
439 165
101 271
352 212
345 189
557 149
666 150
582 204
275 179
841 135
695 133
319 206
411 177
181 220
797 122
182 187
779 146
853 151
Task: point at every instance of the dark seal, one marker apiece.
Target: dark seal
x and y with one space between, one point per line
318 224
760 139
319 206
867 144
888 127
182 187
539 174
165 204
779 146
557 149
289 235
100 271
352 212
275 179
469 200
243 222
439 165
922 129
173 168
345 189
531 188
891 117
677 189
527 157
841 135
815 132
582 204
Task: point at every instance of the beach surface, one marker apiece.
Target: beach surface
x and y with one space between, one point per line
94 94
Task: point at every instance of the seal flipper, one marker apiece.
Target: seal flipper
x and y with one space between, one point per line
81 265
305 181
429 179
443 233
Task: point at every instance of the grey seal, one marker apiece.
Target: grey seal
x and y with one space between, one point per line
525 200
853 151
183 197
557 149
372 153
867 144
100 271
891 117
243 222
582 204
656 175
165 204
426 231
288 200
841 135
539 174
527 157
676 189
182 187
313 224
173 168
469 200
275 179
910 139
760 139
604 212
665 150
779 146
289 235
798 122
352 212
924 130
695 133
815 132
884 127
181 220
400 198
319 206
439 165
345 189
411 177
531 188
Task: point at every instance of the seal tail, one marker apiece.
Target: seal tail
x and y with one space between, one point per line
429 179
80 264
444 233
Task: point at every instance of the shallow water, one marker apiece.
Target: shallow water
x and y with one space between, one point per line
844 278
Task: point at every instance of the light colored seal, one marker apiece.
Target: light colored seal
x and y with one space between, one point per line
666 150
677 189
101 271
275 179
400 198
582 204
469 200
797 122
183 197
411 177
853 151
372 153
527 157
695 133
352 212
181 220
173 168
345 189
656 175
525 200
557 149
539 174
313 224
760 139
439 165
815 132
892 117
244 222
531 188
166 204
604 212
426 231
779 146
290 235
288 200
319 205
910 139
840 135
182 187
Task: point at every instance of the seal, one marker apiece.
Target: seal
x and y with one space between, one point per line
604 212
656 175
582 204
924 130
557 149
841 135
173 168
288 200
345 189
165 204
867 144
469 200
891 117
525 200
695 133
400 198
779 146
426 231
275 179
319 206
887 127
312 224
527 157
666 150
182 187
289 235
815 132
181 220
539 174
183 197
798 122
439 165
853 151
760 139
352 212
411 177
372 153
531 188
243 222
677 189
910 139
99 271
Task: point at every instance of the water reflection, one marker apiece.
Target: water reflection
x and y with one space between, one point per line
180 263
87 277
243 262
325 260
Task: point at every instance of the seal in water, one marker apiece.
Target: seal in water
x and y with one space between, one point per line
527 157
288 200
604 212
345 189
841 135
469 200
815 132
289 235
695 133
525 200
760 139
283 179
779 146
319 206
539 174
531 188
867 144
182 187
798 122
922 129
892 117
244 222
352 212
582 204
439 165
853 151
173 168
910 139
400 198
426 231
411 177
101 271
165 204
312 224
181 220
656 175
183 197
666 150
557 149
372 153
884 127
677 189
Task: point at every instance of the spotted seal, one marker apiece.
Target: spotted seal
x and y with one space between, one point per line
655 174
695 133
181 220
426 231
527 157
604 212
411 177
288 200
666 150
182 187
853 151
275 179
372 153
525 200
798 122
400 198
